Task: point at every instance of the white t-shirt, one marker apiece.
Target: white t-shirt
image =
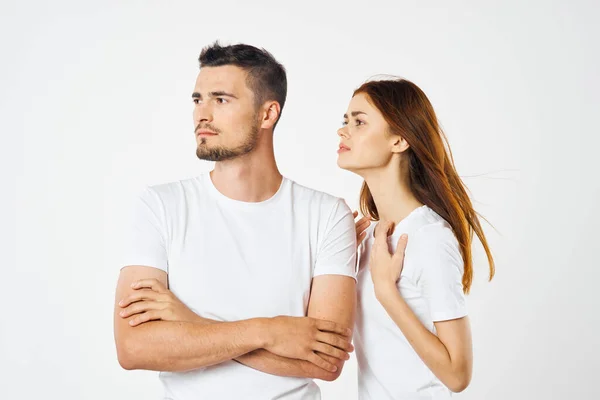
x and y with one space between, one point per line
230 260
431 284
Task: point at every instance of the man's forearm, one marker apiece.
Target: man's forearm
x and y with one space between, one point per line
265 361
182 346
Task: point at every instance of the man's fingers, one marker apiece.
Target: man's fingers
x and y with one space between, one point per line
153 284
140 307
140 295
152 315
330 326
331 351
320 362
341 342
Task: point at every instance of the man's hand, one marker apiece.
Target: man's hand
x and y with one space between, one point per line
292 337
152 301
302 337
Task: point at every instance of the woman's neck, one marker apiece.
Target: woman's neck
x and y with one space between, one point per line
391 192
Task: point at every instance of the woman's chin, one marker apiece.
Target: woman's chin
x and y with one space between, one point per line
341 164
345 165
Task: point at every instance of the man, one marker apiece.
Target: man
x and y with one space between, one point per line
240 283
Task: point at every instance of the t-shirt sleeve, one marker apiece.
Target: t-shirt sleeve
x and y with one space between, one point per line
145 236
337 250
440 271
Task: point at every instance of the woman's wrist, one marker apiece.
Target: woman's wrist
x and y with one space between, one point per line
385 290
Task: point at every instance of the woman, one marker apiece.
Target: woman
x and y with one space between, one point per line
412 335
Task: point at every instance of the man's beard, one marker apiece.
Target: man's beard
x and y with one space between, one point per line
220 153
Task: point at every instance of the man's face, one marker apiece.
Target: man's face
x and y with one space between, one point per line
225 117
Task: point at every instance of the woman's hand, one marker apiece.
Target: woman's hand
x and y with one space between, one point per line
385 267
361 225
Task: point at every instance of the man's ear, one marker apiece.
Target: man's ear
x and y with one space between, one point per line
270 114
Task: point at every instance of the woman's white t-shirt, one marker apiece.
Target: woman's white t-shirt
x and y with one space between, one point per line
431 284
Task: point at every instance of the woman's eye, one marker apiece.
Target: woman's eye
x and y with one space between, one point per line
344 123
359 122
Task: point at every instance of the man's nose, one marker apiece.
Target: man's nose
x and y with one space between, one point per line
202 113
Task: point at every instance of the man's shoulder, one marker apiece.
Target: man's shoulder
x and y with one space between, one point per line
314 197
175 191
177 186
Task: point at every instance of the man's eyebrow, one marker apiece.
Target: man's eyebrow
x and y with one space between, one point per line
220 93
354 114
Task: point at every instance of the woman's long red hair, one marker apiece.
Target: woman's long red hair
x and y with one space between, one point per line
433 177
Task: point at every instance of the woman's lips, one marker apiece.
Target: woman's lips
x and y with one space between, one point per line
343 148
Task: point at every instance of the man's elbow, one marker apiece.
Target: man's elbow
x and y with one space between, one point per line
331 376
126 362
126 354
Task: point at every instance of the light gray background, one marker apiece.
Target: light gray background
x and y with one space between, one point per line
95 104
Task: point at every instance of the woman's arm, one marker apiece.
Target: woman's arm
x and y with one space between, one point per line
448 355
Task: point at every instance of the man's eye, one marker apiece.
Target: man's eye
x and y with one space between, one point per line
221 100
196 101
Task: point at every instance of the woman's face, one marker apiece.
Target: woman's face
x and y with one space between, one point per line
365 138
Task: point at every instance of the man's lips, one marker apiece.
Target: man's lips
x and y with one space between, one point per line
205 132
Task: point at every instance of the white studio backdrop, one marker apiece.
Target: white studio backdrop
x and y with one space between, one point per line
95 104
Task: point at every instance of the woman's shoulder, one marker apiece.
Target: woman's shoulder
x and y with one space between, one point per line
433 235
433 225
424 227
424 224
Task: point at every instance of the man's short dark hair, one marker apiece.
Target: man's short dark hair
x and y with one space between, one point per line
266 76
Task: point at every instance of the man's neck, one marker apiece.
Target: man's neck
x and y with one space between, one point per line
251 178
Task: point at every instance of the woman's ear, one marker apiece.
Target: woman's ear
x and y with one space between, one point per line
270 115
399 144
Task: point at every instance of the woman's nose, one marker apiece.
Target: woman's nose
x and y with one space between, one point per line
343 133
